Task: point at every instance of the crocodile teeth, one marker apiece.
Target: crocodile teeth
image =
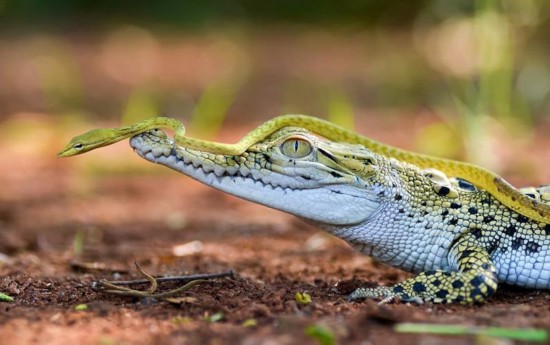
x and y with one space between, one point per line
232 170
219 171
244 171
160 151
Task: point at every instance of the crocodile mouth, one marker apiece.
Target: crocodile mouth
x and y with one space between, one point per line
303 197
204 174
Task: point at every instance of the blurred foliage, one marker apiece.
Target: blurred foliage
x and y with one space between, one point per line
340 109
196 14
478 68
323 335
141 104
482 59
211 109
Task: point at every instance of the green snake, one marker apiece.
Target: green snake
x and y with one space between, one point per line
480 177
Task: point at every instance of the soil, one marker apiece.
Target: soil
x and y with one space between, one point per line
65 224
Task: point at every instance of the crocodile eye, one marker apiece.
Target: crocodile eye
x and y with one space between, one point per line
78 146
296 148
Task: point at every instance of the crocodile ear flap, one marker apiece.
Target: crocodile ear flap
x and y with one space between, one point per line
361 165
369 164
369 161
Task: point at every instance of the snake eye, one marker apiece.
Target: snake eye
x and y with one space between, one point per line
78 146
296 148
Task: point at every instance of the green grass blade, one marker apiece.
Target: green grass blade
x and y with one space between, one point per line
340 109
525 334
321 334
211 109
5 298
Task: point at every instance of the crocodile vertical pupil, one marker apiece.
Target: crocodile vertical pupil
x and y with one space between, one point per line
296 148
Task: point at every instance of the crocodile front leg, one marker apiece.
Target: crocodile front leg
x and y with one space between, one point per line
473 282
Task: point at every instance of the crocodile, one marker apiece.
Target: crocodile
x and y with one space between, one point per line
460 228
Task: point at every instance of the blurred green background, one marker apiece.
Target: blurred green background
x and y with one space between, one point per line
462 79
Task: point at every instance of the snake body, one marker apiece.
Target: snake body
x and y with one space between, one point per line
480 177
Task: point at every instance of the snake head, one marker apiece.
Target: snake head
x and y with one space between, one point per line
88 141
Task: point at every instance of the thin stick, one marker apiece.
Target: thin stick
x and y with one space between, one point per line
118 288
183 279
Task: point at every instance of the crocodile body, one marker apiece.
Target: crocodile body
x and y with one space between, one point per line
460 228
459 239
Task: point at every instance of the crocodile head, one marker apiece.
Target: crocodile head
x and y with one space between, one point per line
290 170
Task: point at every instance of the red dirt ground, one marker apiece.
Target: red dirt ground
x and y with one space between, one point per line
118 218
